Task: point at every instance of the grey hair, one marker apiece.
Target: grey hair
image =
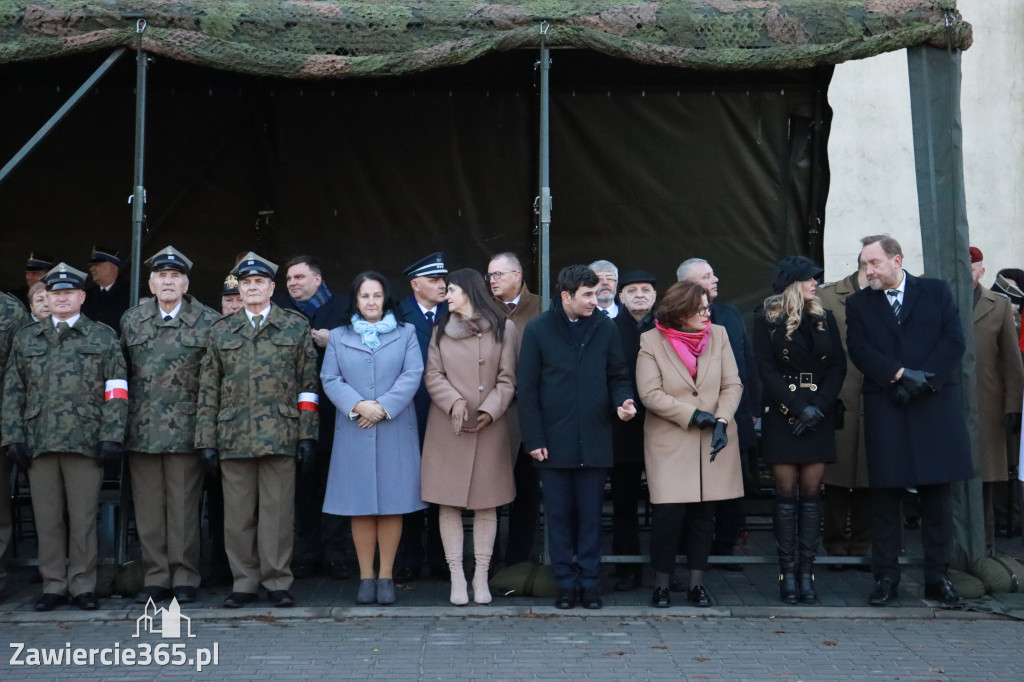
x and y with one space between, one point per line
511 258
685 267
604 266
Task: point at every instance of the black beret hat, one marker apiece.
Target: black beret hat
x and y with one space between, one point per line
795 269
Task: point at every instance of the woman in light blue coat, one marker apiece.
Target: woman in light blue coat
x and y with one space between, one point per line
371 371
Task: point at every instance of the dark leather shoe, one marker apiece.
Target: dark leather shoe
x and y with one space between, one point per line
661 598
943 592
698 595
627 582
237 600
566 599
337 570
154 592
281 599
406 576
86 601
49 601
590 599
185 594
884 594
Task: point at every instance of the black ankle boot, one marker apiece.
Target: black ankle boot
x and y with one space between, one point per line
809 535
785 541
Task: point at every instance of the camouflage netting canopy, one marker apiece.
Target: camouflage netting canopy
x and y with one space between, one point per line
349 38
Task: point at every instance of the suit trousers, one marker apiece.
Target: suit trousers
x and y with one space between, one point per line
667 522
524 511
319 538
66 482
627 488
167 489
259 514
887 530
6 521
572 514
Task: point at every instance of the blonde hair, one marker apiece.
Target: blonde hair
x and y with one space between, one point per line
790 305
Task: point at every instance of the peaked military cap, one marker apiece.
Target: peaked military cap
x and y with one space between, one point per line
252 264
102 254
37 261
637 277
428 266
64 277
230 286
169 259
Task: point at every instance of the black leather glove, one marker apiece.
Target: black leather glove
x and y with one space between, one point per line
703 420
1011 421
18 452
917 382
108 453
807 420
210 458
899 394
719 439
305 455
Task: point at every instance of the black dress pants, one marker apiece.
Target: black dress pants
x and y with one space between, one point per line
627 486
666 524
887 529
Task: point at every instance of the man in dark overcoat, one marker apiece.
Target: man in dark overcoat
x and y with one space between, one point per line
422 309
904 334
572 381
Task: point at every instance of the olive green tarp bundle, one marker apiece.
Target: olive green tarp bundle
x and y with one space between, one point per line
346 38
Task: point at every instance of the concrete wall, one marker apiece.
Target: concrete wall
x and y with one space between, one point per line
871 150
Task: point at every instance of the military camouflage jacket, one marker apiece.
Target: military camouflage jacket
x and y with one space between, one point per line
13 317
253 383
64 394
163 374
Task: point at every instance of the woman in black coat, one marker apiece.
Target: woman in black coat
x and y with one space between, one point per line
802 364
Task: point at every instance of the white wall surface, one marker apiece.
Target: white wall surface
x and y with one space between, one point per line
871 151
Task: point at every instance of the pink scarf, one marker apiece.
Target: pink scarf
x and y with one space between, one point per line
688 345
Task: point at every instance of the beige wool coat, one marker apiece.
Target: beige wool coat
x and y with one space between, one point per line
678 456
471 470
850 470
1000 380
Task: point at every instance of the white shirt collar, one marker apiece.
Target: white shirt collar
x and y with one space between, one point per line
427 310
173 313
71 320
612 310
265 312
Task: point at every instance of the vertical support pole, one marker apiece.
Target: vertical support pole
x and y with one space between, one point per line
938 153
544 196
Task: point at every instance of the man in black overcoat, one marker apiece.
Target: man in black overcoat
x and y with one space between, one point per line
904 334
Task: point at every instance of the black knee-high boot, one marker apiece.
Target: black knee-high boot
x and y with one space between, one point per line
809 536
785 542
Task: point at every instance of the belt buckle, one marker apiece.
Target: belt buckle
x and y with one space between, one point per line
807 381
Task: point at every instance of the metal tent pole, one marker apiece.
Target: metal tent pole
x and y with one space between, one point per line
543 206
75 98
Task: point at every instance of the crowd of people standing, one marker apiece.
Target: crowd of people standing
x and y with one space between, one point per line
308 418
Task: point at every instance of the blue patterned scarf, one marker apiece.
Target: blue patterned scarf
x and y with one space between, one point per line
369 331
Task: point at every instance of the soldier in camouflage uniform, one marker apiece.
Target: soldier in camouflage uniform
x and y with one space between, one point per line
13 317
65 404
164 340
258 415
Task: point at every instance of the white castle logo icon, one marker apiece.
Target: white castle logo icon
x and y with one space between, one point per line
163 621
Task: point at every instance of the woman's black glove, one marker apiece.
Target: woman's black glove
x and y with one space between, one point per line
703 420
719 439
807 420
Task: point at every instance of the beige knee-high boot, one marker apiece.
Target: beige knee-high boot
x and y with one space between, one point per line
450 525
485 528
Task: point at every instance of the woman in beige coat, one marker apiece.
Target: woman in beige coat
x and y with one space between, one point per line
467 452
687 379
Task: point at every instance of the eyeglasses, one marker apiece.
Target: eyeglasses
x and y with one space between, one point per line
611 279
499 275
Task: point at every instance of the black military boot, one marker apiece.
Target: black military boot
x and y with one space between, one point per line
785 541
809 536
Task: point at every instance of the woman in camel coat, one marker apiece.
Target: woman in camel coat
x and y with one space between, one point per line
467 451
691 447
